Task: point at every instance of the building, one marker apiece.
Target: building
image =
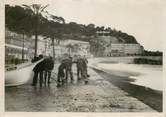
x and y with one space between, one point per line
44 46
123 49
63 47
76 47
60 50
72 48
16 44
133 49
117 47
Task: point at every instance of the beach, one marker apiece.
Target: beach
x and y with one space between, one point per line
103 93
141 81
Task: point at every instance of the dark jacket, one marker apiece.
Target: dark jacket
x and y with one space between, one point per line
40 66
49 64
67 63
61 68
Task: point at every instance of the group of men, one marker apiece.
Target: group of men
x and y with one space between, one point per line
43 70
65 69
45 67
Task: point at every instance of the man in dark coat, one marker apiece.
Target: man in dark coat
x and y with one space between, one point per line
79 64
85 66
38 69
49 66
82 68
68 65
37 58
61 73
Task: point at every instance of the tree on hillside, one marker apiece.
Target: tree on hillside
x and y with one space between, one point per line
31 20
90 30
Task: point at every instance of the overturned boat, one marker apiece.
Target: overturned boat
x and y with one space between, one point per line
21 74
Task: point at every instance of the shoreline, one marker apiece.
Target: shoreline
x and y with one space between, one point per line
152 98
141 73
99 95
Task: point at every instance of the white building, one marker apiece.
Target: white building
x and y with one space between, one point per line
133 49
78 47
60 50
72 48
117 46
14 46
44 46
123 49
63 47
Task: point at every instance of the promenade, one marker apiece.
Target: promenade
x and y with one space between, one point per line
98 95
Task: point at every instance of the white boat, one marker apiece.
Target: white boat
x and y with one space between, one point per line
21 75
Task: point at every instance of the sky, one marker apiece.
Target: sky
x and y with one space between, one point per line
140 18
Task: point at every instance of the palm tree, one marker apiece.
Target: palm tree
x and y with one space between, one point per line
36 10
52 29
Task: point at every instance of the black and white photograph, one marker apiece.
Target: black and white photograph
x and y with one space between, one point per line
84 56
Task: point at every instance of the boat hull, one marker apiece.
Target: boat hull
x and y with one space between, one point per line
19 76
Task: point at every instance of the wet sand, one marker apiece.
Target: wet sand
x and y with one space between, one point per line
151 97
98 95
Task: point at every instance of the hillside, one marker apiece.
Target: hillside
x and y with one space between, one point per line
21 20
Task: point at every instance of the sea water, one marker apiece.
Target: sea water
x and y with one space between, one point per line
145 75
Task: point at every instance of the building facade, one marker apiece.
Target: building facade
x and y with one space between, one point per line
72 48
44 46
63 47
17 46
133 49
123 49
117 46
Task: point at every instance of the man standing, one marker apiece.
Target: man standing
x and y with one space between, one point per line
38 69
49 66
68 64
79 64
61 74
85 65
82 68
